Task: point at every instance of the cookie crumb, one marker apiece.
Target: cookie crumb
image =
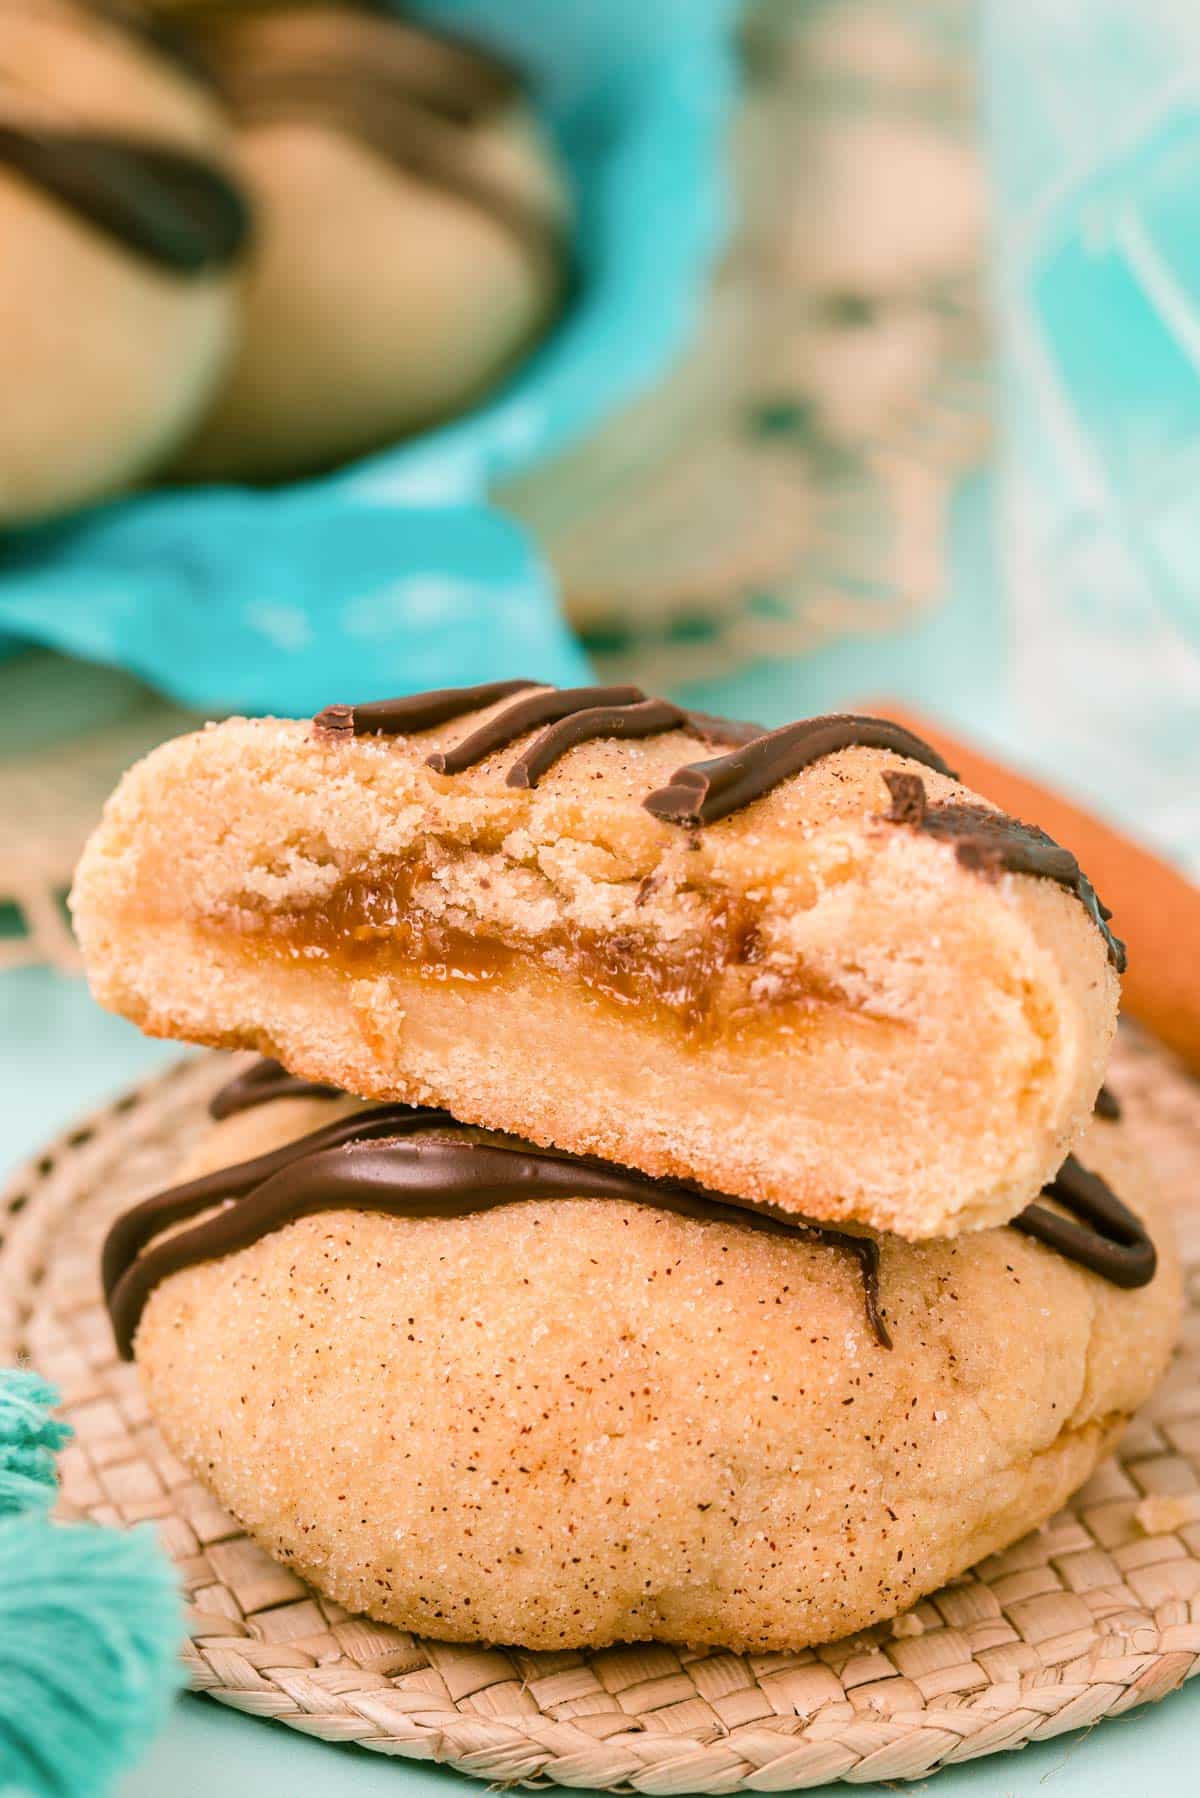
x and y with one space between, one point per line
908 1625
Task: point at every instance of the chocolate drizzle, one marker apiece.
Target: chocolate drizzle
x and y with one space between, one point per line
442 72
136 1228
990 842
415 712
159 202
574 715
731 732
705 792
1108 1240
545 707
419 143
638 718
405 93
260 1083
368 1163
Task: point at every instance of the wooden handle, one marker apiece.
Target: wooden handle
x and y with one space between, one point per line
1155 909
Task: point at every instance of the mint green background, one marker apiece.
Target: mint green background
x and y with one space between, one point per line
59 1054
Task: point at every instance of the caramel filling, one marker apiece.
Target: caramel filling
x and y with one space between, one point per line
704 982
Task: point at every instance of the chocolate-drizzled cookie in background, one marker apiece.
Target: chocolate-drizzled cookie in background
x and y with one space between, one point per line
122 230
411 240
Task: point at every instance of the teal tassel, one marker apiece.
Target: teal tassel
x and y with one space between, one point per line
89 1622
29 1440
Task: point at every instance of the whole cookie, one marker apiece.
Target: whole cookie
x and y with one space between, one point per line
121 228
410 244
563 1423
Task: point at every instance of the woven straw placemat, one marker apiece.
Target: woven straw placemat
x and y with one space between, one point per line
1093 1614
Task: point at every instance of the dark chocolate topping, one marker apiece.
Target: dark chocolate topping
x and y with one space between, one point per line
415 712
445 74
705 792
544 707
991 842
366 1163
159 202
420 143
1109 1240
138 1226
641 718
1108 1106
406 94
731 731
260 1083
574 715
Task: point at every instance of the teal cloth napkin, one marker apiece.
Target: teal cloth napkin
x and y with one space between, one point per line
336 600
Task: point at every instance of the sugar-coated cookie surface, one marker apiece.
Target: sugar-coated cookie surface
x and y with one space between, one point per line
567 1423
806 1001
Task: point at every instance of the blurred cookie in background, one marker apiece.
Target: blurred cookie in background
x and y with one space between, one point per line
122 229
411 236
789 480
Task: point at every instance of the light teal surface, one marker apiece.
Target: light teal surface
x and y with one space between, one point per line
962 663
1094 193
59 1054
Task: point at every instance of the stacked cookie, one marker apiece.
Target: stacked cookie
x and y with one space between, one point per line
272 242
719 1246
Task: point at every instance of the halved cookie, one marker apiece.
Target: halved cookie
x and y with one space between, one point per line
809 968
